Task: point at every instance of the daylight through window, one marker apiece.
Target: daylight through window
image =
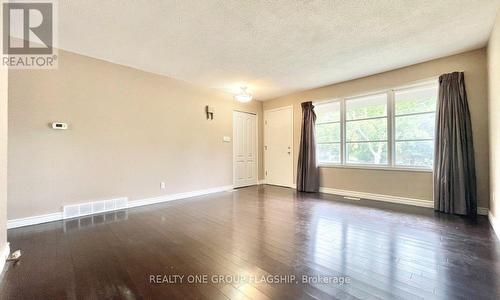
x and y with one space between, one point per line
394 128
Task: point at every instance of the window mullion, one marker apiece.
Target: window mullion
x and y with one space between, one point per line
415 114
391 147
372 141
414 140
342 132
327 123
367 119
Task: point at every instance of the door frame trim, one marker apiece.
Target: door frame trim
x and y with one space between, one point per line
292 184
257 156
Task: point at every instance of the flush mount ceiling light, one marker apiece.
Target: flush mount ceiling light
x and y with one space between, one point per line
243 96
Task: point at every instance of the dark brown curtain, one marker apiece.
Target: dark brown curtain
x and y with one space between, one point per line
454 166
307 169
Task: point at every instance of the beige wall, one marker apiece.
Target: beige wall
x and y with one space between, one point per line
129 130
3 151
401 183
494 112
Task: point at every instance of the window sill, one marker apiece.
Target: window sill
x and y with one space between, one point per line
368 167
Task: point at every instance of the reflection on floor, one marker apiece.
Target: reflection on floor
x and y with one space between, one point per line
257 242
95 220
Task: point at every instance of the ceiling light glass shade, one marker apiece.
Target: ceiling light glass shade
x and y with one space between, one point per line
243 96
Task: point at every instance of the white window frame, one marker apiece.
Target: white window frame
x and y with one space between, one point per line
387 140
391 133
341 141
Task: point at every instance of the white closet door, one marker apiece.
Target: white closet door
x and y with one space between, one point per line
244 149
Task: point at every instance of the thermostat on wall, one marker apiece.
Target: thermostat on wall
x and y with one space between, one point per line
59 125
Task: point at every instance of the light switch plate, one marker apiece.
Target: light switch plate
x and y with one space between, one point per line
59 125
226 139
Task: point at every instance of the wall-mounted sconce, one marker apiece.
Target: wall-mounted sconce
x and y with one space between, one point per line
210 112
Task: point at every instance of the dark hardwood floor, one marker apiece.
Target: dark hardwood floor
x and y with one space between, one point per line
254 235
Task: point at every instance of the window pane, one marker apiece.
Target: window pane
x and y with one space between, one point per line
366 130
366 107
415 127
329 153
415 154
328 112
421 99
327 133
367 153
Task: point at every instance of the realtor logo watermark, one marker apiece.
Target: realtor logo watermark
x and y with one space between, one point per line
29 35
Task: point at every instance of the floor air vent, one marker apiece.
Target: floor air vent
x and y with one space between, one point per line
96 207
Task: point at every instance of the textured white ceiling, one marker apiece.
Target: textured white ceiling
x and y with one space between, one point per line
274 47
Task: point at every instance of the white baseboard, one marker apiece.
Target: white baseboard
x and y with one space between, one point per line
57 216
178 196
15 223
387 198
292 186
494 223
378 197
3 256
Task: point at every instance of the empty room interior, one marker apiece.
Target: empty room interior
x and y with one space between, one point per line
250 149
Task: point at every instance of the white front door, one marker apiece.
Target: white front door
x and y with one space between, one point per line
244 149
278 146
